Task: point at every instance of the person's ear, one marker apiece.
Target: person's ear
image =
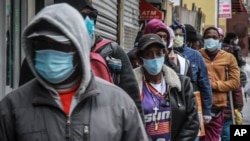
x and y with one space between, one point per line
139 60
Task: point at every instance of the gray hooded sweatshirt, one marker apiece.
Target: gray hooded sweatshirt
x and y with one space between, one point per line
100 111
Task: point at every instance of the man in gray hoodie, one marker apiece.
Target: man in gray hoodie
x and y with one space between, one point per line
65 101
126 77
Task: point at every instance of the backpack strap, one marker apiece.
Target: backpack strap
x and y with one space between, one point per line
107 50
99 46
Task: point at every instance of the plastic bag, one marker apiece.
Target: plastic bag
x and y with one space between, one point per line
238 117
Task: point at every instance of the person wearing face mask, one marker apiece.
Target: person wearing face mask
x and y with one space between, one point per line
199 70
168 101
224 77
194 39
65 101
230 45
178 58
89 14
174 59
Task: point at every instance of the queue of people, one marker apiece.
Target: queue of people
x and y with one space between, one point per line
61 98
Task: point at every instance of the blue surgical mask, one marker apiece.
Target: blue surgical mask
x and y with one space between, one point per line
90 24
165 44
54 66
220 45
153 66
211 44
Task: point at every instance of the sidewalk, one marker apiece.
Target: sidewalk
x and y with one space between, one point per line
246 108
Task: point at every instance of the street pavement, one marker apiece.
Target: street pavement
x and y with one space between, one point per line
246 108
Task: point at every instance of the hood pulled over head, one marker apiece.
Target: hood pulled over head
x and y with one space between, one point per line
177 25
172 37
154 26
67 21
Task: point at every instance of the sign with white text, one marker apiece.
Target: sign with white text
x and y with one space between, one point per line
239 132
225 9
148 11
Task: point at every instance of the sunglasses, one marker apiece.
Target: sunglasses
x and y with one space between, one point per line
45 43
92 15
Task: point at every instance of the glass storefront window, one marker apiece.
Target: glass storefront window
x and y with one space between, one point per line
14 16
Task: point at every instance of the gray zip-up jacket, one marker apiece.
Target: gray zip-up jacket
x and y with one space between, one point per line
99 111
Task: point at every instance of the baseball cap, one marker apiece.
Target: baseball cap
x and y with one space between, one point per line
50 34
149 39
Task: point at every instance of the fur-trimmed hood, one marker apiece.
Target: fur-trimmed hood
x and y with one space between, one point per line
170 76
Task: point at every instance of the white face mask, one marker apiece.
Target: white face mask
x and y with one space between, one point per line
179 41
236 41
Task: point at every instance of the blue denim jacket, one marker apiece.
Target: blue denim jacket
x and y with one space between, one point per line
200 78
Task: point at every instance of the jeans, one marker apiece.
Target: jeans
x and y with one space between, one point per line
225 134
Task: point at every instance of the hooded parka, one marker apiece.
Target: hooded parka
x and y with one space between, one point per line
99 111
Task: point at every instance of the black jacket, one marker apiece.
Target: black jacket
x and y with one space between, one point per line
236 51
127 78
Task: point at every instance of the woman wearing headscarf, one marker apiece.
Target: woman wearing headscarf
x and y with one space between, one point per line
167 99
